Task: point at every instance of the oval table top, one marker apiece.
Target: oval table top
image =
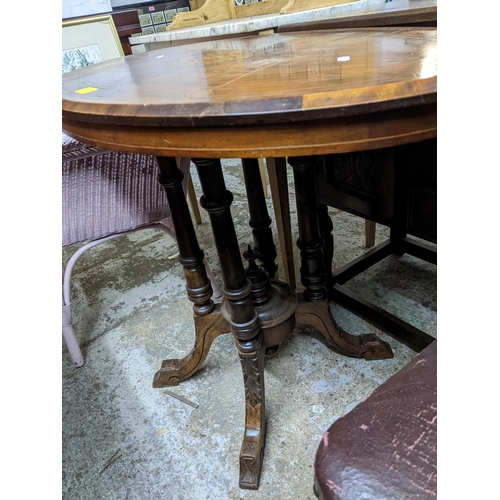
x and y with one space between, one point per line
274 82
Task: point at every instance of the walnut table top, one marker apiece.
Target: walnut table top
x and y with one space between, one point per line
265 96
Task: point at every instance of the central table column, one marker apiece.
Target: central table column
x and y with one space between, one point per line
244 321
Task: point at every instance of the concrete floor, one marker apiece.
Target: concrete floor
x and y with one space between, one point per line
130 312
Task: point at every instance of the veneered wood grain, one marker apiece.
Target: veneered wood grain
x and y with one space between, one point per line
259 80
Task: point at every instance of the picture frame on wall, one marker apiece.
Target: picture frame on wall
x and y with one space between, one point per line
89 40
158 17
145 20
170 15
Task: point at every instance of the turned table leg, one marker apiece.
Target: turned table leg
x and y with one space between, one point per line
326 232
209 322
260 222
313 308
244 320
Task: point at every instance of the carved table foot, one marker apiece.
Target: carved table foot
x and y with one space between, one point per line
318 314
209 322
242 317
208 328
252 450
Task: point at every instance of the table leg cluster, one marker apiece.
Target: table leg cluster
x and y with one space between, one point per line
260 313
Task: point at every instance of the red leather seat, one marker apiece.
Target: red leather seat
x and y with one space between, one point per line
386 447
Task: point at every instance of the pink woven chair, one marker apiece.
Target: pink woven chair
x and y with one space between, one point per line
107 194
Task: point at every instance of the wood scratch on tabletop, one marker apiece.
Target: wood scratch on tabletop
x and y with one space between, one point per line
211 90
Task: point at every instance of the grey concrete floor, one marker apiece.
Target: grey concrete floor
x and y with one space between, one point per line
130 312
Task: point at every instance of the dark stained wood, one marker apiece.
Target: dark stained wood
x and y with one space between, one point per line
326 230
191 256
362 263
209 323
274 302
361 183
127 24
260 222
415 203
312 272
244 320
420 250
401 330
393 186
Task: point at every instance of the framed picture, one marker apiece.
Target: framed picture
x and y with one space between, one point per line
145 20
170 14
89 40
158 17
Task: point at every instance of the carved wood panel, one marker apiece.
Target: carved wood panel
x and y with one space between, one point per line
396 186
361 183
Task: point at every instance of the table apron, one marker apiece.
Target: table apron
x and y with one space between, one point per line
339 135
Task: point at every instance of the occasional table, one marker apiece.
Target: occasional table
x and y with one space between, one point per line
292 95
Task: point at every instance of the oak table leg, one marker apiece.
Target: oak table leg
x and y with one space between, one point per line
244 320
209 322
326 231
313 308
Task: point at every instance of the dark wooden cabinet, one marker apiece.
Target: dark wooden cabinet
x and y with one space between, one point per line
127 24
415 195
396 187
